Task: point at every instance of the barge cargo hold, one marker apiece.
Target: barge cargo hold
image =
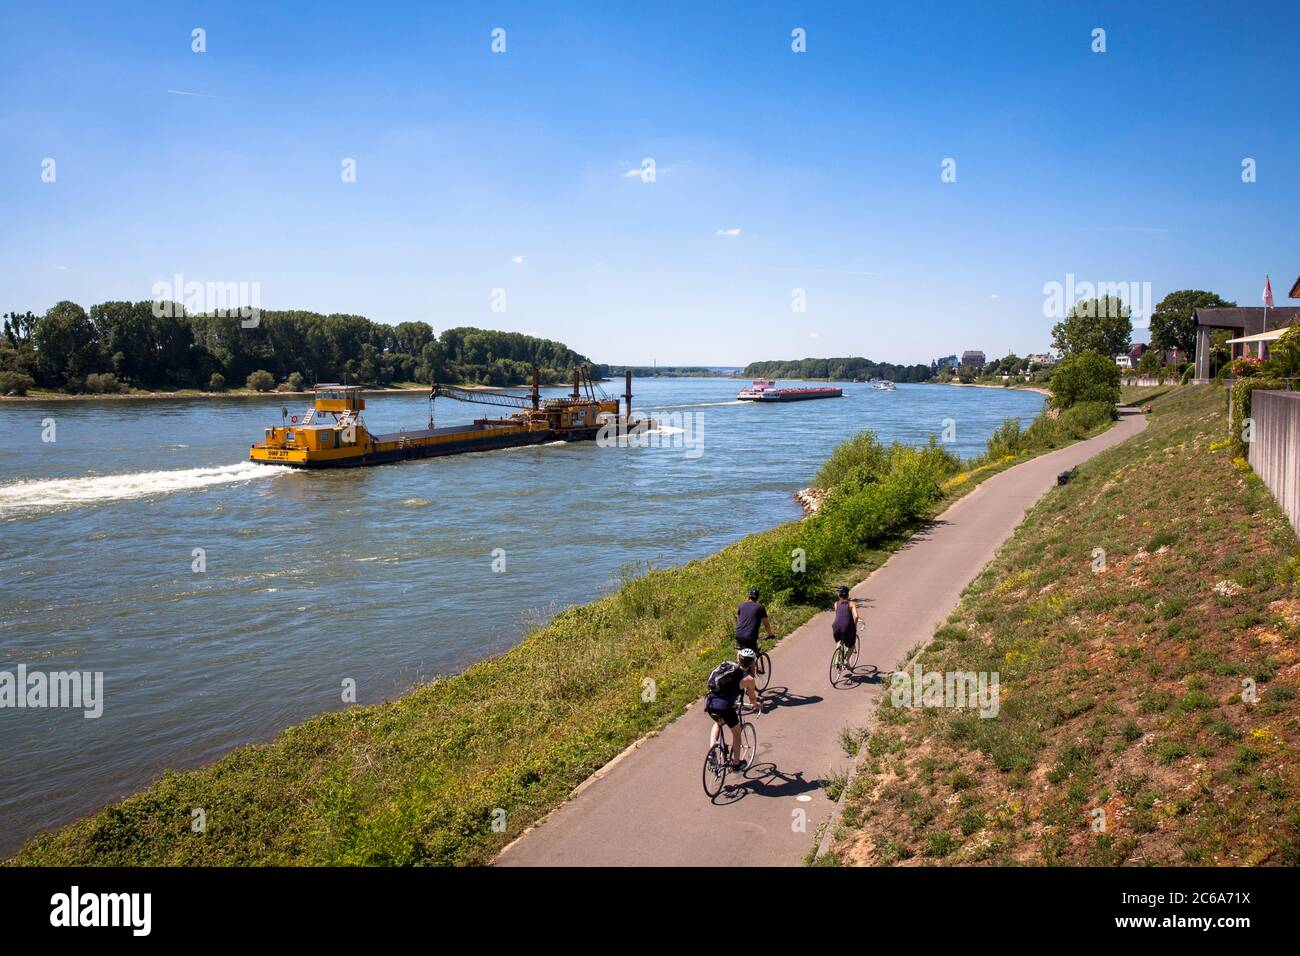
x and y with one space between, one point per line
332 434
765 390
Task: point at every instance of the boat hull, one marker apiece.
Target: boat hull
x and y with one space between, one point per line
793 395
387 452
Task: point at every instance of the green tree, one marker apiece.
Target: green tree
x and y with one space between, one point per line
1149 364
1085 377
66 346
1094 325
1173 324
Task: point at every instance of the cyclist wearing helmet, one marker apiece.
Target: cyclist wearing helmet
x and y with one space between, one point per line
726 685
845 626
749 617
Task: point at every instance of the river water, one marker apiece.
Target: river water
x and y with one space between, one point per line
383 575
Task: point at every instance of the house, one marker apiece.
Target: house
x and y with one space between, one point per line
1041 359
948 361
1132 357
1253 329
972 359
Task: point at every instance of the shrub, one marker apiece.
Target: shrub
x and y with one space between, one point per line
856 514
15 383
1245 367
1083 418
217 383
100 384
295 382
1240 407
260 381
1284 355
861 455
1085 377
1043 432
1007 439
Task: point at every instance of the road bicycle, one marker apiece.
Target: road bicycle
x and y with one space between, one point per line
717 762
762 673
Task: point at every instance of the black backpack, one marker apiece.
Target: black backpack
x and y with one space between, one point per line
725 679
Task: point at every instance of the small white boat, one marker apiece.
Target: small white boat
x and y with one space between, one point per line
883 386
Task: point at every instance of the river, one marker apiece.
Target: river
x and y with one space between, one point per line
383 576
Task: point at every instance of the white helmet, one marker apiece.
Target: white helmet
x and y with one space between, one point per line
746 654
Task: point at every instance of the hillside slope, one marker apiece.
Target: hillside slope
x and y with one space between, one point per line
1126 733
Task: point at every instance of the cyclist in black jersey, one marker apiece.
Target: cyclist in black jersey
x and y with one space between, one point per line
726 685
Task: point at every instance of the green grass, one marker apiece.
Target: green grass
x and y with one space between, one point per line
1141 394
1121 688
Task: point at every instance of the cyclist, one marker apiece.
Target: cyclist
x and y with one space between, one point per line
845 626
749 617
727 683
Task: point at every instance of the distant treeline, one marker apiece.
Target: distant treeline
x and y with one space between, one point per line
838 369
671 371
118 345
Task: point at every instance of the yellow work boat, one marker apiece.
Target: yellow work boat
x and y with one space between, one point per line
332 434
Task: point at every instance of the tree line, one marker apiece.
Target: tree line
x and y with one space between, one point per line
837 369
121 345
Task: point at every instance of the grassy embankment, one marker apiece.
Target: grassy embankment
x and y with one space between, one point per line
417 780
1121 688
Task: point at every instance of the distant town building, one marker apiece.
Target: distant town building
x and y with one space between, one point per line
1132 357
972 359
1042 359
948 361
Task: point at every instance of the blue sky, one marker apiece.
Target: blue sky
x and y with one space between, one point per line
1123 166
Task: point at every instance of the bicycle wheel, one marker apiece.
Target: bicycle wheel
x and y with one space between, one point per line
763 672
837 665
853 656
715 769
748 744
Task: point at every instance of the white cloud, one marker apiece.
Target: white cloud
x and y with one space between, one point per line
733 231
813 335
995 296
518 260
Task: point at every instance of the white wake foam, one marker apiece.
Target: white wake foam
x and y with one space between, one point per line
44 494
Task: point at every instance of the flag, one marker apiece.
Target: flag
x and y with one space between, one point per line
1268 292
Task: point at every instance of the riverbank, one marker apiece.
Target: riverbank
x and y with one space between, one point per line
417 779
1145 624
1024 388
45 395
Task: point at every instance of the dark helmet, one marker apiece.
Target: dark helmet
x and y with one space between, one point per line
753 594
842 591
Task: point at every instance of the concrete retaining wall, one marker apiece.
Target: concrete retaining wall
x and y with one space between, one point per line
1274 453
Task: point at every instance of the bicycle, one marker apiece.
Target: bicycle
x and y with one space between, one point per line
762 671
846 659
717 762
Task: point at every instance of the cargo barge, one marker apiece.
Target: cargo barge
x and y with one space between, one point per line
333 434
765 390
